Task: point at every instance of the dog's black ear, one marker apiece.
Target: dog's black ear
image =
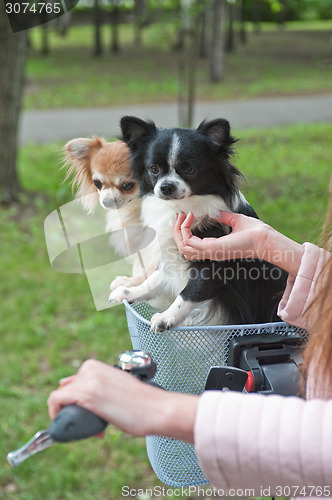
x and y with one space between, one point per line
221 142
218 131
135 130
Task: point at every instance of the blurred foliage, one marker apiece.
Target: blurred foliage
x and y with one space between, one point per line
296 9
293 61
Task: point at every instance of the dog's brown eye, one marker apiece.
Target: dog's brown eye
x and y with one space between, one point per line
98 184
127 186
190 170
154 169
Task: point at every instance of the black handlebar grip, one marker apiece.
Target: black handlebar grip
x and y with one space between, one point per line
74 422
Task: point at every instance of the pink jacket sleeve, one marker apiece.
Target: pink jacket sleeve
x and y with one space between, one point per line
259 442
301 289
255 442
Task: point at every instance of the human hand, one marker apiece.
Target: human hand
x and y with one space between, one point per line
110 393
250 239
121 399
247 239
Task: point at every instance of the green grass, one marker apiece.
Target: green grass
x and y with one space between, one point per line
292 61
49 324
288 171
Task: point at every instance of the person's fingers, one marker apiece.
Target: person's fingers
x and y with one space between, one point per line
58 399
188 220
189 245
229 218
179 220
186 228
177 228
66 380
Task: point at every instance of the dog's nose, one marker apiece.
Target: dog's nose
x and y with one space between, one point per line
109 203
167 188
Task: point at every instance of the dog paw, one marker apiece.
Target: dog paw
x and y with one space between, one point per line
160 322
120 281
118 295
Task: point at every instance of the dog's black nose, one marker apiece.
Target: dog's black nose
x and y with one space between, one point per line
167 188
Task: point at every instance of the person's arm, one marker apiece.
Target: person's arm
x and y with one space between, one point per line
250 238
256 441
304 287
133 406
241 440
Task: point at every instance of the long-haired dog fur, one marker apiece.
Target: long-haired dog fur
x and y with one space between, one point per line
186 170
101 171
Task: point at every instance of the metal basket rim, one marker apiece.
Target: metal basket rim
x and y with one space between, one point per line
209 327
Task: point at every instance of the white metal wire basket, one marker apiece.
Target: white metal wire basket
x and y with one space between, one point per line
184 356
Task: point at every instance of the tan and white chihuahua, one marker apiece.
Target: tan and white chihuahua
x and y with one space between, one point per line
101 170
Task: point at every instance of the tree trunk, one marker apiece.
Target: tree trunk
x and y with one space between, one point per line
192 60
230 33
12 58
203 52
243 31
98 49
45 46
139 21
29 42
256 15
282 15
187 65
217 45
115 21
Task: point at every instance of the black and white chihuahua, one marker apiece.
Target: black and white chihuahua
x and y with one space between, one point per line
190 170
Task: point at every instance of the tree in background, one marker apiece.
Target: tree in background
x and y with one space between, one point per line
203 35
243 32
217 42
140 20
12 59
115 24
256 15
187 58
98 47
229 45
45 47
